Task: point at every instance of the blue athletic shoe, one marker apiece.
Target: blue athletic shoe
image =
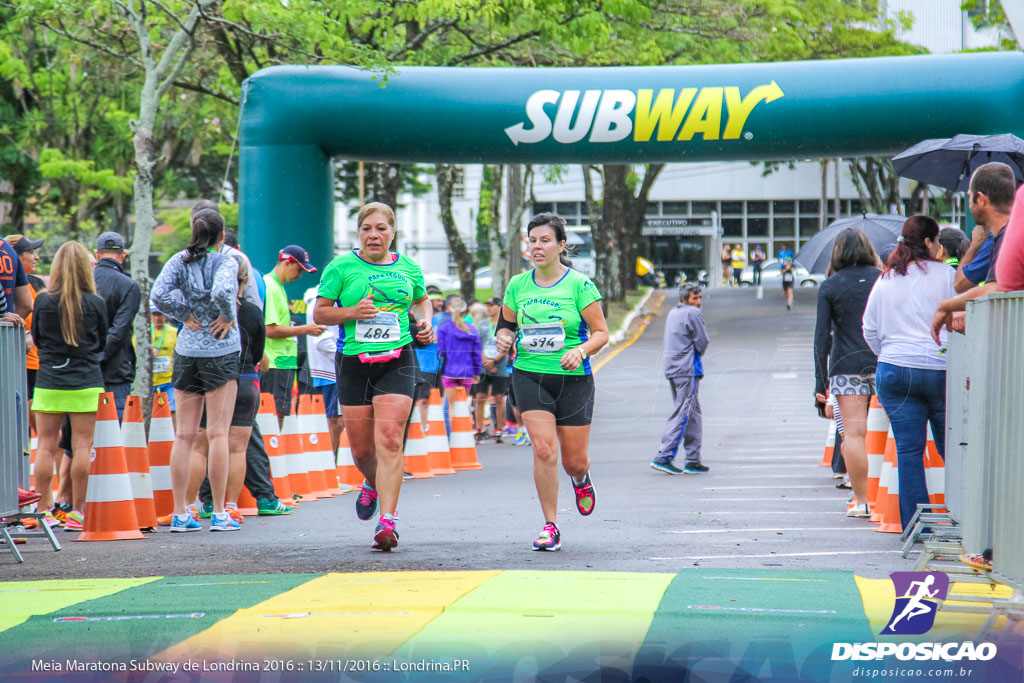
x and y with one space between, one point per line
185 522
666 467
366 502
221 521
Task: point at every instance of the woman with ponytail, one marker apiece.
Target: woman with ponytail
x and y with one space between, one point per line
911 375
199 286
69 326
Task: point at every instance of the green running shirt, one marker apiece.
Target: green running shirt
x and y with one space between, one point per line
549 320
394 286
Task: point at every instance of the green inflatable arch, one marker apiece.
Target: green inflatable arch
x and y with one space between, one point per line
295 119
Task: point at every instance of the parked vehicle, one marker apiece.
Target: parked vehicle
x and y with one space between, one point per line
771 275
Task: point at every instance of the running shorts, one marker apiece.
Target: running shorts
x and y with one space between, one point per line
247 404
493 385
201 375
359 382
570 398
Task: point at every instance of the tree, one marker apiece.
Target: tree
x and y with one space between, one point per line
488 215
876 182
465 260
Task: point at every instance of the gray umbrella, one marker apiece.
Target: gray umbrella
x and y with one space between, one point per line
949 162
881 230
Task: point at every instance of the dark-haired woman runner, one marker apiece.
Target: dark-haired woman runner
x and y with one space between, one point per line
547 313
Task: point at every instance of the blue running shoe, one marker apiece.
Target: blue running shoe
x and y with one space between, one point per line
666 467
366 502
185 522
221 521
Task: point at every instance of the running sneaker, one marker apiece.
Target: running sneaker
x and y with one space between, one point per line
522 439
366 502
981 562
167 519
74 521
221 521
695 468
27 497
585 496
385 536
511 430
266 507
50 521
60 510
185 522
499 437
232 509
406 476
549 538
860 511
205 509
666 467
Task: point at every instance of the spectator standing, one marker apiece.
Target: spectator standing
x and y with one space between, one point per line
954 245
911 374
739 259
494 383
199 286
757 262
323 370
17 304
26 251
281 348
427 362
1010 269
726 263
69 323
844 364
122 296
686 340
990 198
458 345
164 338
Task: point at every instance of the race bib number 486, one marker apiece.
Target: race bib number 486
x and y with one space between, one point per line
383 327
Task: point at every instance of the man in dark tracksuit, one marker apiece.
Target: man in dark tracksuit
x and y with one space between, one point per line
122 295
686 339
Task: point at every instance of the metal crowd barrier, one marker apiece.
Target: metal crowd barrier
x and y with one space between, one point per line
985 432
14 436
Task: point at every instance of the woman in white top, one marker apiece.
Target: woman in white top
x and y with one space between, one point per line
911 374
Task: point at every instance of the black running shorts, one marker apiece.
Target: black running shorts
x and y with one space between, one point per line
492 385
359 382
200 375
247 404
570 398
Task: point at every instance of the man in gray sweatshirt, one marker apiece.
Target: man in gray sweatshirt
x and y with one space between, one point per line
686 339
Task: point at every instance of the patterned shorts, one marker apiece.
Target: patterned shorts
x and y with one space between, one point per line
852 385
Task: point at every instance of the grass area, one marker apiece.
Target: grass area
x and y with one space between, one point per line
481 294
618 310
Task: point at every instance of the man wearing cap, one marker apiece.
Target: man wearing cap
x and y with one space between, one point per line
26 251
281 348
686 340
122 296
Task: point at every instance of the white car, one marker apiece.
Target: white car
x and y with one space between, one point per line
771 275
484 279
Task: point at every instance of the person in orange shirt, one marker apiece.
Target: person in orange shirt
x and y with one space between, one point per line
26 250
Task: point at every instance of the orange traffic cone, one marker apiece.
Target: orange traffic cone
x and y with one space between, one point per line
888 503
934 471
438 455
830 444
463 446
877 429
133 435
416 461
109 503
329 459
267 421
348 474
312 447
247 504
161 439
298 471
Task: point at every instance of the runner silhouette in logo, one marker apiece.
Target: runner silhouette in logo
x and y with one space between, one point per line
916 605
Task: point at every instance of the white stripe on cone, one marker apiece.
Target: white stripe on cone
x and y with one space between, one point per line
160 476
107 434
142 484
161 429
133 434
109 488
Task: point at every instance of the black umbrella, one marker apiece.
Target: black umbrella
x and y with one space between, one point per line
949 162
881 230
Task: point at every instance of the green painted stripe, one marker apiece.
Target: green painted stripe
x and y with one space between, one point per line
545 621
774 619
23 599
216 597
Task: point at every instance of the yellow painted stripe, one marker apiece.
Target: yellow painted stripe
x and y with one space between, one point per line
24 599
879 597
623 346
545 617
333 617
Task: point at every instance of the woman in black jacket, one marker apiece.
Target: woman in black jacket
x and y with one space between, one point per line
69 327
842 357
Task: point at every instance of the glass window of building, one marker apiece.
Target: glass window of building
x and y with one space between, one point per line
676 208
732 208
783 207
785 227
652 209
757 208
543 207
732 227
808 226
704 208
757 227
809 206
566 209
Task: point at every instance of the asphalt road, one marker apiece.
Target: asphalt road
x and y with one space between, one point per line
765 502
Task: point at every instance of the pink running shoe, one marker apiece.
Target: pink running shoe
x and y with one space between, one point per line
385 537
585 498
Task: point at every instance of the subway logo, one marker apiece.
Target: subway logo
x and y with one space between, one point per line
715 113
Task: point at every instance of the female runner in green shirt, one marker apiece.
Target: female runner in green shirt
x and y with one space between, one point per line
369 292
547 313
